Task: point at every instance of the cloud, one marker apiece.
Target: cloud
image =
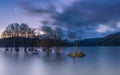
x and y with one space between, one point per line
45 6
81 15
105 29
90 12
29 6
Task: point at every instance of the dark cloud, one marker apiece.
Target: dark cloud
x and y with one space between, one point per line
29 6
90 12
82 15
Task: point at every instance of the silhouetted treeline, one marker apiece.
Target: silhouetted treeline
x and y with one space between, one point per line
32 42
110 40
21 35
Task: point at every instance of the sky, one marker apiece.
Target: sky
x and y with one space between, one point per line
89 18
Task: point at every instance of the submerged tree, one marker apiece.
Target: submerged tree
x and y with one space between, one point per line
16 33
53 33
53 37
59 35
73 37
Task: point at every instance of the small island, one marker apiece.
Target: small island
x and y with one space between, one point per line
76 54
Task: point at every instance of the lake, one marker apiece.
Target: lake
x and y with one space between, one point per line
98 61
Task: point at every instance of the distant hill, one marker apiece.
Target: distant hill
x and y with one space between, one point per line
89 42
110 40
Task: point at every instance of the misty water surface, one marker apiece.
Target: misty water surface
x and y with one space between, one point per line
98 61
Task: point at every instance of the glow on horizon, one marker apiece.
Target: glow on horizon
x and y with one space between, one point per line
104 28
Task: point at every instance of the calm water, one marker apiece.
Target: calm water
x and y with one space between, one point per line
98 61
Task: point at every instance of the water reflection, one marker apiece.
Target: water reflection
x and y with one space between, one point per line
98 61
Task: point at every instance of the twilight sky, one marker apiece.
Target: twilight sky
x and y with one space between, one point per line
89 18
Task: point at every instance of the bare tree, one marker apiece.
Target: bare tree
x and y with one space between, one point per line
73 37
59 35
55 35
14 31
